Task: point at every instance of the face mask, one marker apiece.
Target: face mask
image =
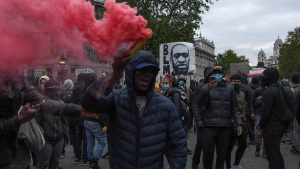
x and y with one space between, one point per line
181 83
218 77
165 87
42 87
236 86
264 81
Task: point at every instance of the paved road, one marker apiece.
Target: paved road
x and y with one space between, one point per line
249 161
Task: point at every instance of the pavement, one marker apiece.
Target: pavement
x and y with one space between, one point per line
249 161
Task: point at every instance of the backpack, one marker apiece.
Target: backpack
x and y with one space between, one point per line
258 99
288 113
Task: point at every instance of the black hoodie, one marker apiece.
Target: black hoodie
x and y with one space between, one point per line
272 106
195 105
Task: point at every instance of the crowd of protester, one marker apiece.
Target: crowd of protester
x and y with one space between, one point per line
144 121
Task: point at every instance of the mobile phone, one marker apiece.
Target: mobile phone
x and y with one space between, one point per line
211 78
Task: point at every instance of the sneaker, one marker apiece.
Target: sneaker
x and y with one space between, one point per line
94 164
77 160
105 156
294 151
62 156
289 141
282 141
256 153
236 167
251 142
264 155
84 162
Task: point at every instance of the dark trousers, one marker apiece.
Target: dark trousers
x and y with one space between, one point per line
249 129
199 145
81 144
190 119
215 138
49 156
242 141
272 148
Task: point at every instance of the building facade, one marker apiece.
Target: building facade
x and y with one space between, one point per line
54 54
273 60
204 55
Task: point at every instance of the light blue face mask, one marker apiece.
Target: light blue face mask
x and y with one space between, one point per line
218 77
181 82
165 87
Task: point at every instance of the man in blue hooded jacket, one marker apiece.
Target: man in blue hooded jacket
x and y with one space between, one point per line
141 120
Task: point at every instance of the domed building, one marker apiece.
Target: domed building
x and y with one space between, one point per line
273 60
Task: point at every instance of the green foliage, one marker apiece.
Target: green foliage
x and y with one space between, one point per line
289 57
229 56
170 20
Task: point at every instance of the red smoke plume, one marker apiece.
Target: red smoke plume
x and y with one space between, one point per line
30 29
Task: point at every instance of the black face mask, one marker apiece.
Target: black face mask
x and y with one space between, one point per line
264 82
236 86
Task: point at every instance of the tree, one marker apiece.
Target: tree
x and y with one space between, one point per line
170 20
289 55
229 56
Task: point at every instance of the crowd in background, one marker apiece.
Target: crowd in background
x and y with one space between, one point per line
144 120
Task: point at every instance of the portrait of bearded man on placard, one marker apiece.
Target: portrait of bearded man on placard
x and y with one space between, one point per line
180 59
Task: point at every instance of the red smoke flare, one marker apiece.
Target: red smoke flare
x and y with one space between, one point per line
31 29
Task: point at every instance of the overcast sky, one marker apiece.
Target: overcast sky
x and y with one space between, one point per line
246 26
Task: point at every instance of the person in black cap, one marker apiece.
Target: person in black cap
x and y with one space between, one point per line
141 120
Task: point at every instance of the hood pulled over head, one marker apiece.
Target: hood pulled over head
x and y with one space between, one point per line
271 76
207 72
140 57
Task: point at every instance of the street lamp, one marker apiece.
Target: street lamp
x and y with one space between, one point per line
62 73
62 62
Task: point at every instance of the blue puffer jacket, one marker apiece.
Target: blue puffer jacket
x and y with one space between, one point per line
139 143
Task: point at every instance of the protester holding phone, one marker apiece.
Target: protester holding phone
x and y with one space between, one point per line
220 105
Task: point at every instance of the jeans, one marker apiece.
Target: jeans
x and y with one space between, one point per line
296 135
272 146
81 144
94 130
258 140
49 156
242 140
215 138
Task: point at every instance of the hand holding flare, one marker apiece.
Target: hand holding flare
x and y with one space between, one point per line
135 47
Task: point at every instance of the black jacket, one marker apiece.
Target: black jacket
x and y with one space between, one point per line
296 90
52 119
77 91
220 106
269 122
9 123
66 96
175 98
197 109
255 83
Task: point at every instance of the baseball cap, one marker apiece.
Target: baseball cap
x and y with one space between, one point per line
145 64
